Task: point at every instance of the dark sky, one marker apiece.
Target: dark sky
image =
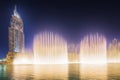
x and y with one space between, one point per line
71 19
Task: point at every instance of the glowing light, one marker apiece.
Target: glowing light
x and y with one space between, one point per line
23 58
93 49
114 52
49 48
93 72
38 72
16 13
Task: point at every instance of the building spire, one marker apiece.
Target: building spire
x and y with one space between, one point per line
15 9
16 13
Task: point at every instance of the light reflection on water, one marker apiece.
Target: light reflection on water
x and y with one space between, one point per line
114 72
60 72
93 72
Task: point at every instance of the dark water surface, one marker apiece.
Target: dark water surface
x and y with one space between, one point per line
60 72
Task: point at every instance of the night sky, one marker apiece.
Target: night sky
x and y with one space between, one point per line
71 19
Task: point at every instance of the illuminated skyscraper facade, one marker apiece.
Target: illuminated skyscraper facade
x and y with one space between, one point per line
16 33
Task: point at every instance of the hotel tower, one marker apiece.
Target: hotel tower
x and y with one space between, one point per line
16 33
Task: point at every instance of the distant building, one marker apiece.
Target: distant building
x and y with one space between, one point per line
16 33
2 61
16 37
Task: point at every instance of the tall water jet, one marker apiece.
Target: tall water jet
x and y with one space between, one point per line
49 48
114 51
93 49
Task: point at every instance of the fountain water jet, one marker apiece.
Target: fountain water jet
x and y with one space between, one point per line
93 49
49 48
114 51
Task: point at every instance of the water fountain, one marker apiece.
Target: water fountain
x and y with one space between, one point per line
93 49
114 51
49 48
23 58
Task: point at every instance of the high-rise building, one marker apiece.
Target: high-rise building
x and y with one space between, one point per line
16 33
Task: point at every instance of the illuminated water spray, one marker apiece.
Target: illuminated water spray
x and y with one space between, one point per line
23 58
49 48
93 49
114 51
